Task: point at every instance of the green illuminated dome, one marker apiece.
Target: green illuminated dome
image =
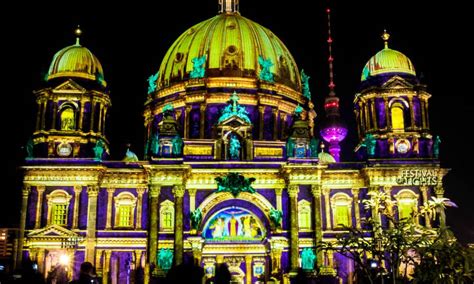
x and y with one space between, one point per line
76 61
387 61
232 45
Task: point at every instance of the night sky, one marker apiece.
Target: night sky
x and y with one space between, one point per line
131 38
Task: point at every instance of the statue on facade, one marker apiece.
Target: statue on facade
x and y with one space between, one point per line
165 259
308 259
311 117
235 183
305 84
234 109
313 146
152 82
155 144
177 145
436 145
299 112
266 74
196 218
29 149
275 217
234 148
98 150
130 156
199 70
290 148
369 143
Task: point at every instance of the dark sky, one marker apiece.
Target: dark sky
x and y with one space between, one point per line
131 38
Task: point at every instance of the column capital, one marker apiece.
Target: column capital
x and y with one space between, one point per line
355 193
155 190
279 191
293 190
110 190
93 190
203 107
326 190
275 111
424 189
40 188
141 190
261 108
26 190
316 190
178 191
439 190
77 189
283 115
192 191
387 189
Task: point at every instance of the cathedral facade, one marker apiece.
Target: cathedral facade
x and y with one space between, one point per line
234 171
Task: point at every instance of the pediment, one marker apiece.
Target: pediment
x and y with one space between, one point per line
234 121
397 82
55 231
69 86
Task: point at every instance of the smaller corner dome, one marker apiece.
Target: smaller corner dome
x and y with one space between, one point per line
78 62
387 61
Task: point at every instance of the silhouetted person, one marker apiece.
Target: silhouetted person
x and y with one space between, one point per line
222 274
187 272
86 274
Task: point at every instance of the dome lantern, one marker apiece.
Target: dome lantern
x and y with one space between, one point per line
228 6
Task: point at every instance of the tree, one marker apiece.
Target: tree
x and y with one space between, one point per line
401 251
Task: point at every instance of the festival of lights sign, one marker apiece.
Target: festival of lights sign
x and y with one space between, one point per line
418 177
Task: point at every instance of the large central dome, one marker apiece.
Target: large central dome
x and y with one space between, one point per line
232 45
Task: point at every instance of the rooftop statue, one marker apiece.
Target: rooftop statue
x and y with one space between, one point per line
313 146
369 143
266 74
29 149
152 82
155 144
177 145
305 83
299 111
130 156
198 67
98 150
234 109
290 148
436 145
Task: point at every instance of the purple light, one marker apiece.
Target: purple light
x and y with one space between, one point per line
336 134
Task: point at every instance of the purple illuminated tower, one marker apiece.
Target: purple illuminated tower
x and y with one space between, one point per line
333 128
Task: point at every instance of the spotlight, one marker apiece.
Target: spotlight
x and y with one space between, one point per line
64 259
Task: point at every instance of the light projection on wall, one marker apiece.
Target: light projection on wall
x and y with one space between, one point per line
233 224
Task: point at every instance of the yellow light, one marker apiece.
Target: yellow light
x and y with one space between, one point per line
64 259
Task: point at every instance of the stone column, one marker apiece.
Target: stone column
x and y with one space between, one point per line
388 118
55 112
355 194
43 114
77 199
327 210
202 116
39 205
196 247
367 116
154 193
412 113
92 192
81 115
374 114
362 118
248 268
192 199
98 263
427 114
24 208
318 228
275 123
278 193
294 245
106 268
38 114
187 110
99 123
40 257
137 255
283 118
140 192
261 111
91 128
178 191
424 192
110 195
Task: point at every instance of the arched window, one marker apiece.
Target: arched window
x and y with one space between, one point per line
398 119
304 215
58 204
167 216
125 204
341 205
407 202
68 118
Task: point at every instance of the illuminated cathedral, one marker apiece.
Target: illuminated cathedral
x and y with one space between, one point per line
234 169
